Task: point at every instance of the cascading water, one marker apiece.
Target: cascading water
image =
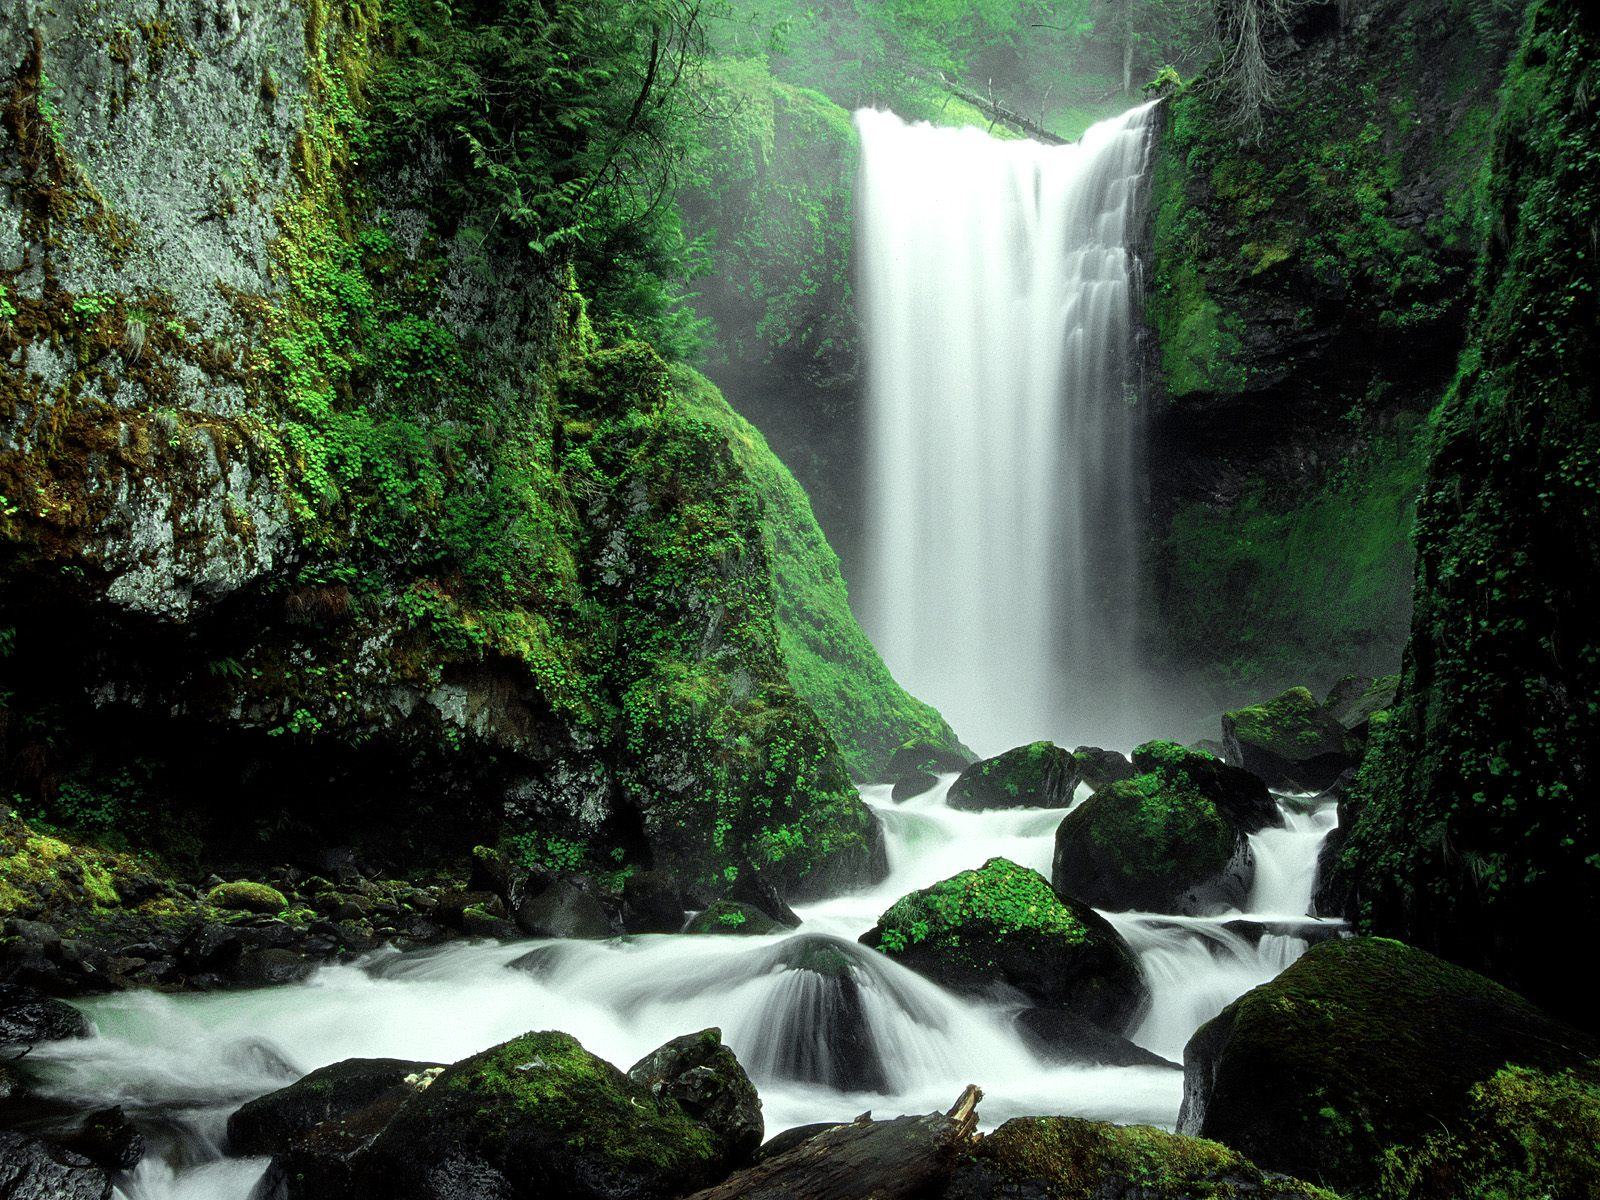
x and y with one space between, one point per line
997 285
825 1027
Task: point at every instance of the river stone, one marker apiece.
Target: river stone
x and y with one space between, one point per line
1000 930
1068 1158
564 909
704 1078
1097 767
27 1018
1291 742
732 917
1038 775
540 1118
1362 1047
106 1137
822 1035
33 1169
1172 839
1066 1037
923 759
268 1124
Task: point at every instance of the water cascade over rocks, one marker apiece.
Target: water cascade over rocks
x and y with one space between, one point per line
997 289
1010 349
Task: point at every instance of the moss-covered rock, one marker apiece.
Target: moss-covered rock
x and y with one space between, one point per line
1171 839
1290 741
270 1123
1472 827
541 1117
1038 775
1000 928
1067 1158
1356 699
245 895
702 1076
1097 767
1360 1047
735 917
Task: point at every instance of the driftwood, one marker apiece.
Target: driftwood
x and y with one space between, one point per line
1000 113
864 1160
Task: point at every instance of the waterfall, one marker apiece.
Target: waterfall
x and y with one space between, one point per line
997 289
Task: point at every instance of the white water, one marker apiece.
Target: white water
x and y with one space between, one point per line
996 286
181 1063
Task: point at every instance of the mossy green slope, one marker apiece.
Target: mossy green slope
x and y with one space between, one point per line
830 662
1474 831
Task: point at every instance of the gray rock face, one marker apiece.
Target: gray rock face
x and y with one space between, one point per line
34 1170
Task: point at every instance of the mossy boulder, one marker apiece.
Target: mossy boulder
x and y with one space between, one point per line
1290 741
540 1118
1173 838
246 896
1097 767
702 1076
1038 775
270 1123
733 916
1067 1158
1362 1046
1355 699
1066 1037
1001 929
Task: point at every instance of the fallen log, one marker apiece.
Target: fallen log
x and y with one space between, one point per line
865 1160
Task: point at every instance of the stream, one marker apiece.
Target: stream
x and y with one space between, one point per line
179 1064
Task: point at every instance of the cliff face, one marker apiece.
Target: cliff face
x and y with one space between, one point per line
1306 296
1474 814
318 524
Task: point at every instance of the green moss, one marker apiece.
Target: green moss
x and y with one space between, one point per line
971 913
1066 1158
247 896
1153 827
1291 725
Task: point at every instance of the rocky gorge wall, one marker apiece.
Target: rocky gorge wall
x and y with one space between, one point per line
1307 291
320 525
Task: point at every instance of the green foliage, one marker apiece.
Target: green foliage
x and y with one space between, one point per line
1478 795
1158 825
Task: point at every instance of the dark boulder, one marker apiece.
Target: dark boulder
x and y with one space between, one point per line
821 1034
702 1076
1174 838
923 759
1290 741
1356 699
324 1162
652 902
1067 1158
540 1118
28 1018
565 908
106 1137
1066 1037
911 785
1097 767
1038 775
730 916
1361 1047
33 1169
852 866
1001 930
268 1124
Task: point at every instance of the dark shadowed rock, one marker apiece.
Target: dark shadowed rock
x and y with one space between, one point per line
106 1137
1291 742
32 1169
911 785
1097 767
28 1018
268 1124
1066 1037
730 916
1001 930
1362 1046
564 909
1355 699
1038 775
822 1035
704 1078
921 758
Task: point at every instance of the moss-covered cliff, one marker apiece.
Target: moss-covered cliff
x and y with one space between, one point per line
1305 302
328 517
1474 813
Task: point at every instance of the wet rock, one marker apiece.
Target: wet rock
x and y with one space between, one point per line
28 1018
730 916
1361 1047
106 1137
1171 839
271 966
855 865
1097 767
539 1118
652 902
822 1033
33 1169
270 1123
704 1078
1067 1158
246 896
924 759
913 784
564 909
1066 1037
1038 775
1291 742
760 892
1355 699
323 1162
1001 930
